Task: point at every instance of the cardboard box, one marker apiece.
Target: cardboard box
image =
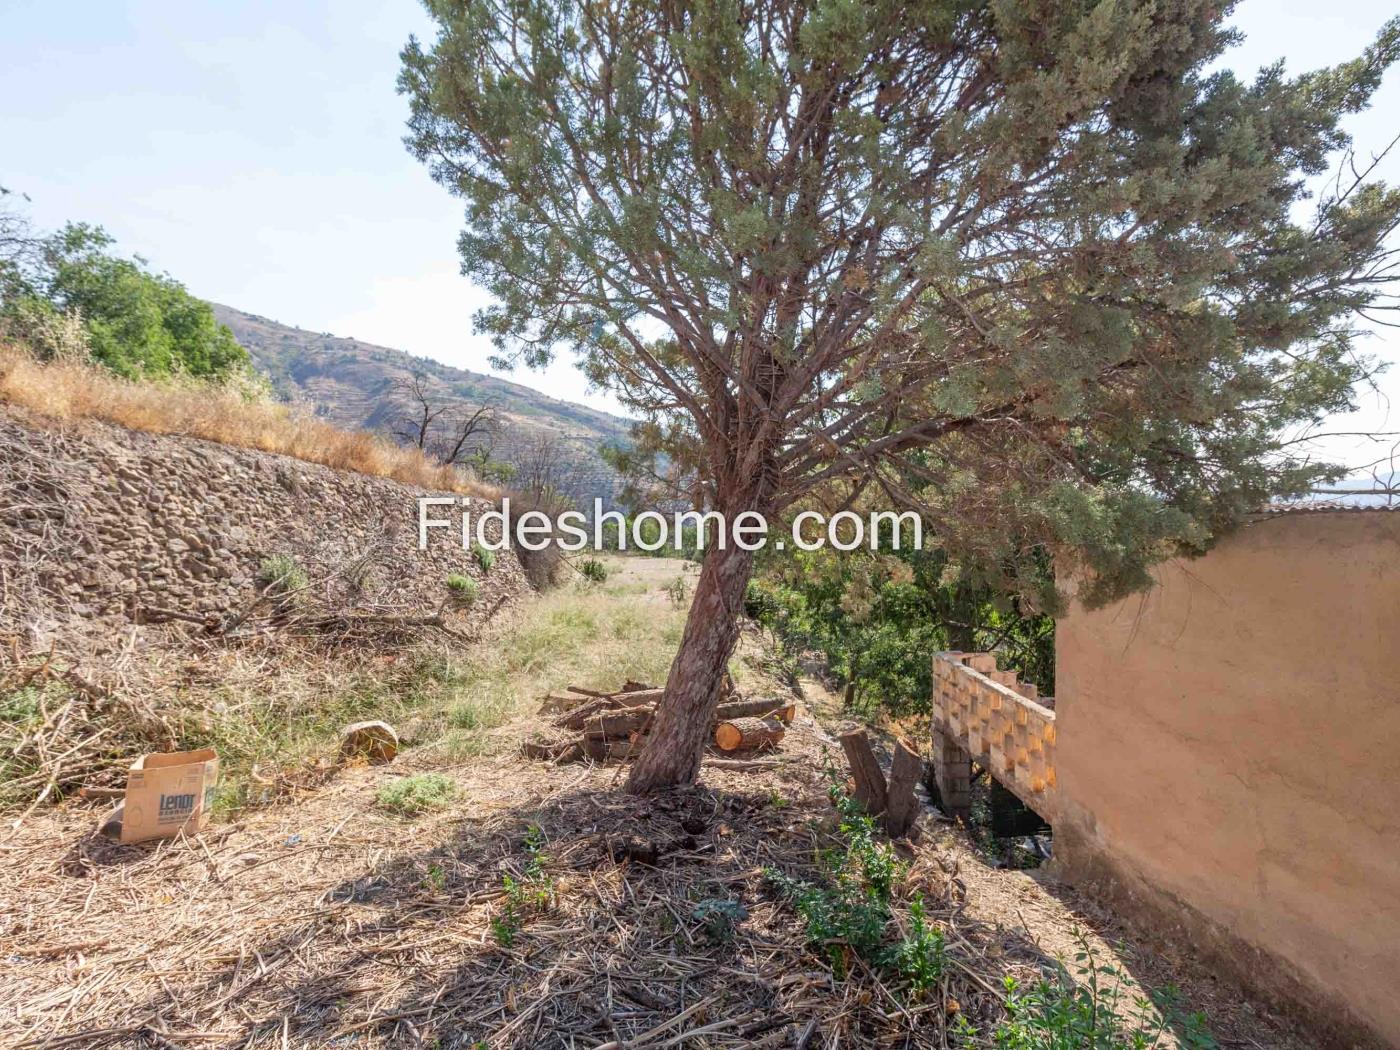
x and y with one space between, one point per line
167 794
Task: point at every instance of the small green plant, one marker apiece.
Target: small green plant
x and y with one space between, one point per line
776 799
435 878
848 910
1060 1013
411 795
531 892
484 558
281 574
677 591
462 590
719 919
920 957
593 570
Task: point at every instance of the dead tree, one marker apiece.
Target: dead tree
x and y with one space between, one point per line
448 429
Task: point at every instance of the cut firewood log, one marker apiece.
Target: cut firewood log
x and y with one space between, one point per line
902 807
546 750
554 704
613 724
783 710
584 692
748 734
630 686
612 750
870 790
581 715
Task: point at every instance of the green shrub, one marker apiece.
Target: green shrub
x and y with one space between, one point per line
484 558
463 590
1060 1013
416 794
281 574
593 570
849 908
920 956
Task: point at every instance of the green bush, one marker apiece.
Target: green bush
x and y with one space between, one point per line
484 558
463 590
416 794
848 909
593 570
281 574
137 323
1062 1013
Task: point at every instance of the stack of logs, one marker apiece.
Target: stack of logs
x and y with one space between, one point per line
892 801
607 727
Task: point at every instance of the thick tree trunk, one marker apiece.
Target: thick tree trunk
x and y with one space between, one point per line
683 718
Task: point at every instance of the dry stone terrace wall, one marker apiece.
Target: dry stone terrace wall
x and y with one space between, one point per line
98 522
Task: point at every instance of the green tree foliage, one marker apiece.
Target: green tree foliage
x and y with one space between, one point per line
1029 265
137 323
877 617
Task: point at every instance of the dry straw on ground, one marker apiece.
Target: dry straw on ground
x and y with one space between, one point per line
223 413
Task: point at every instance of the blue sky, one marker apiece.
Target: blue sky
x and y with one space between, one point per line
253 150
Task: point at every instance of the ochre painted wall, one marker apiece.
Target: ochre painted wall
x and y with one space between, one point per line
1229 746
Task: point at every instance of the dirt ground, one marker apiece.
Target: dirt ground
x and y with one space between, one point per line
328 922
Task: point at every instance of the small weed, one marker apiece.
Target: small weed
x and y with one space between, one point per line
677 591
529 894
920 957
719 919
411 795
776 799
593 570
436 878
281 574
484 558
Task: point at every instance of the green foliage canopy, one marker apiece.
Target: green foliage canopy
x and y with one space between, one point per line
137 323
1030 266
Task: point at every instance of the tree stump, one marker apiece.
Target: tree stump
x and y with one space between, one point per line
748 734
375 741
903 806
870 791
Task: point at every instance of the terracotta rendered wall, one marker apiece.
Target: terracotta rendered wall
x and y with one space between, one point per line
1229 752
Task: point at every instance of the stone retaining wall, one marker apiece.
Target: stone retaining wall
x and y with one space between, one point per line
99 524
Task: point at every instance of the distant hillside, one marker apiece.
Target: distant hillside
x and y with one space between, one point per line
352 383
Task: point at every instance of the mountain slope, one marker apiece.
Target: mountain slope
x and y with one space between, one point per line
354 384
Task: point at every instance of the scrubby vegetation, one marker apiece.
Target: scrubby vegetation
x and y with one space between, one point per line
593 570
409 796
463 590
273 709
69 295
876 617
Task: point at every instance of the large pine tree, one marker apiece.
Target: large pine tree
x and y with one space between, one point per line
1025 263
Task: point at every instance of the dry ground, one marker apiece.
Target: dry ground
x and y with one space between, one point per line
327 921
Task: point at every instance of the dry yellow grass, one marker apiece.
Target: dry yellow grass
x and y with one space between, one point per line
226 414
